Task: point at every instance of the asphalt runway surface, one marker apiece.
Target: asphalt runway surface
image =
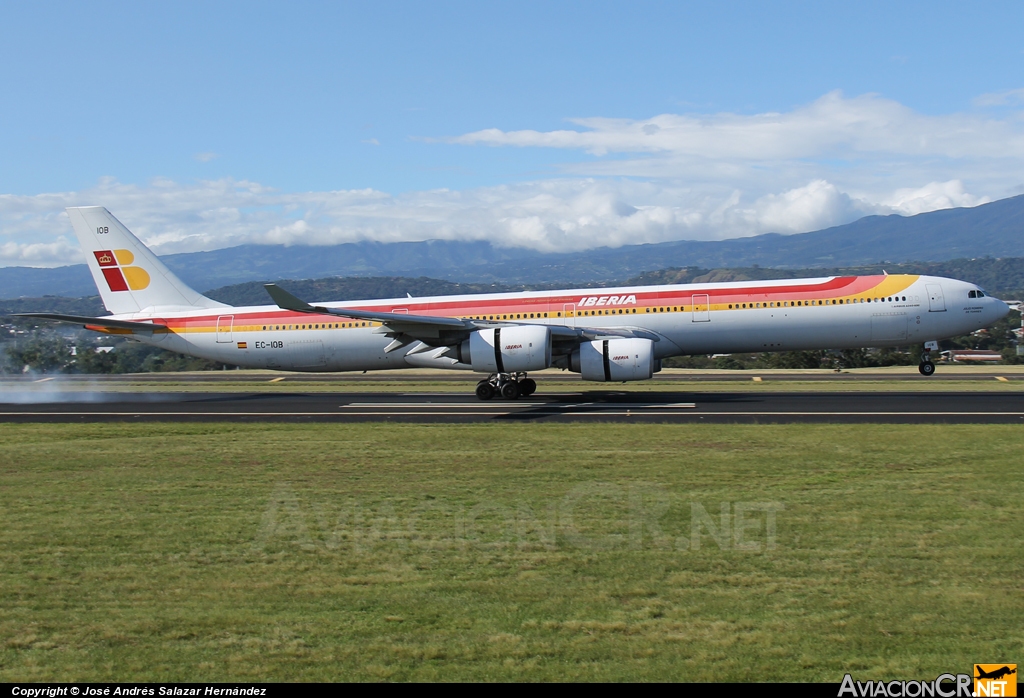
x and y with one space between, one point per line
586 406
910 375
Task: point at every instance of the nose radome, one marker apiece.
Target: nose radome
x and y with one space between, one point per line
1002 309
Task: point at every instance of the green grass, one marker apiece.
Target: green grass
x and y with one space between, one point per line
404 552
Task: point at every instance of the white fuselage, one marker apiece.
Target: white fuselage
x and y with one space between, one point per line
824 313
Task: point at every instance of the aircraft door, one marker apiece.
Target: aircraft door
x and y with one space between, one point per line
936 301
701 307
224 324
569 314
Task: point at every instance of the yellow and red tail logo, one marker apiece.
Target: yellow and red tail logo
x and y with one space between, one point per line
120 276
995 680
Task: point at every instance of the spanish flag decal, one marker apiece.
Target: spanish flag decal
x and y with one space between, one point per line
243 345
116 270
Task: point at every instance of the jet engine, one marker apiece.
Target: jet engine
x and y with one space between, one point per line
614 360
508 349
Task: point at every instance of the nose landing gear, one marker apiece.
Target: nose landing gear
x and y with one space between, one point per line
510 386
926 367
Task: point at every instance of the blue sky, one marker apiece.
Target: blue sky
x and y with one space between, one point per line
551 125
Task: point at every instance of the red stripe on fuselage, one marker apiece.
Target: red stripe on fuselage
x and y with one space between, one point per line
834 287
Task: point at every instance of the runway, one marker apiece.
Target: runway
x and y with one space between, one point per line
584 406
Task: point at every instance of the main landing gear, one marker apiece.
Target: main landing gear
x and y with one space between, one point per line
510 386
926 367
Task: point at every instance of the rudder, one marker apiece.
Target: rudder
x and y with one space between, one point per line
130 278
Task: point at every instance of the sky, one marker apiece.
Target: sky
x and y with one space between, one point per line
552 125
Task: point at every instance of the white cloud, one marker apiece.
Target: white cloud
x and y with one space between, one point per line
998 99
669 177
832 126
554 215
931 197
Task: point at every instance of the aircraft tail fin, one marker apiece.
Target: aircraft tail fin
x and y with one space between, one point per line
130 278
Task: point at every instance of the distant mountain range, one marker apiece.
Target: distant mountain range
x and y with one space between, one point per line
990 230
1004 277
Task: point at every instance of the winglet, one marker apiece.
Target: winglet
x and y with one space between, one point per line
287 301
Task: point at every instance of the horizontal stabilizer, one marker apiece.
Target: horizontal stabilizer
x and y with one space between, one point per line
97 322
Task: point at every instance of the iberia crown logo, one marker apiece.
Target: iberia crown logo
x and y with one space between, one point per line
120 276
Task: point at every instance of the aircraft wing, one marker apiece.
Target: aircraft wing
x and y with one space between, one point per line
592 333
89 322
404 329
439 331
287 301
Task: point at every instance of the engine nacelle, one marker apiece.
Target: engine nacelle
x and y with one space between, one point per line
614 360
508 349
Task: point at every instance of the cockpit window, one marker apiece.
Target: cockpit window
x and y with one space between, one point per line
972 294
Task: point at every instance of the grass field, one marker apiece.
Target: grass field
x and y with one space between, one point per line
404 552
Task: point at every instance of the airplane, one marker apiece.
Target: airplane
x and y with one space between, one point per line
995 673
606 335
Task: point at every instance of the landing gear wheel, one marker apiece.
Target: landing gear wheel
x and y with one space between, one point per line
510 390
484 390
926 368
527 387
